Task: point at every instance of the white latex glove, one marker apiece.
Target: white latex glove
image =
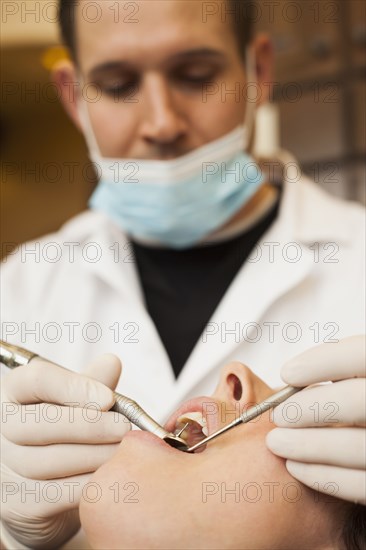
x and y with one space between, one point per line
49 451
323 433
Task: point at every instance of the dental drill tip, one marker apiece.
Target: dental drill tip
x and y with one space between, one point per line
179 433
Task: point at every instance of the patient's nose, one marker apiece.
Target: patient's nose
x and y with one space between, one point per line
239 386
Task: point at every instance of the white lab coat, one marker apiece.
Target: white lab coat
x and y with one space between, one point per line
275 307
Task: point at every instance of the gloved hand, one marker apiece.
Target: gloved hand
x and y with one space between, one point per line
322 434
50 451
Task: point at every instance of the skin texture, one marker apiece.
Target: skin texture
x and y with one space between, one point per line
183 501
155 106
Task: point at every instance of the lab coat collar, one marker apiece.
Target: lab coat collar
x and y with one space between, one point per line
256 286
117 270
116 265
313 214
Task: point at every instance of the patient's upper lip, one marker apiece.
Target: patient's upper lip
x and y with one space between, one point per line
207 406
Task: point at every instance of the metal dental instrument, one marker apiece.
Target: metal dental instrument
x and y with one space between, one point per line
14 356
270 403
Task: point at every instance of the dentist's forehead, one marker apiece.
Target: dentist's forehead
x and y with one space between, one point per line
149 29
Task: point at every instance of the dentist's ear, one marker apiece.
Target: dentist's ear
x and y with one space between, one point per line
238 384
64 75
263 52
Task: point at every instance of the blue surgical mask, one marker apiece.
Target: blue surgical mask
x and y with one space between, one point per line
178 202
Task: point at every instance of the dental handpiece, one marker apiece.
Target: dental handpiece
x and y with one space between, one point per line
15 356
252 413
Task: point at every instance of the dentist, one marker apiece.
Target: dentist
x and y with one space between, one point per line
195 252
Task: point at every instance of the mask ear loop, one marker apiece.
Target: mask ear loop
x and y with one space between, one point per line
82 107
251 106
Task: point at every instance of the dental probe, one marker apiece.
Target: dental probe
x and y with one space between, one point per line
14 356
270 403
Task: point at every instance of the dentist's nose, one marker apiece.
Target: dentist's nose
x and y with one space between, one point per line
162 123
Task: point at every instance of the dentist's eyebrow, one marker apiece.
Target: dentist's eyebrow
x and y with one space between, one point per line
198 52
187 55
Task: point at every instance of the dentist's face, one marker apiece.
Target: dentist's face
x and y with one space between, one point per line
161 77
234 495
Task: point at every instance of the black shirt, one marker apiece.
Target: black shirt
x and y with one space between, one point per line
182 288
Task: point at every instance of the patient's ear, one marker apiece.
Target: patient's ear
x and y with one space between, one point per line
238 384
64 75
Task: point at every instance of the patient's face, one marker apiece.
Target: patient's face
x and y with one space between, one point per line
234 494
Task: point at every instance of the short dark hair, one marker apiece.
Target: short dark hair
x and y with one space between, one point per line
243 13
353 534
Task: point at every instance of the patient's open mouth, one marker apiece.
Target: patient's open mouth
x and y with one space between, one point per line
192 427
198 416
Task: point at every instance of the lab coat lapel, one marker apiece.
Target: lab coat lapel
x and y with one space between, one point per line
117 267
257 285
120 272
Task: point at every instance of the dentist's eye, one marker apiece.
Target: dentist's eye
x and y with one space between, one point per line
195 82
121 90
194 75
198 79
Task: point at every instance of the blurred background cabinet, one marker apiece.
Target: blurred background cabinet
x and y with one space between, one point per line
320 90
